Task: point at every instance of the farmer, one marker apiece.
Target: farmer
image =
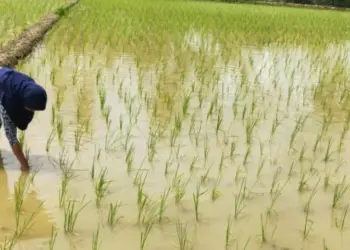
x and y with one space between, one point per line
20 96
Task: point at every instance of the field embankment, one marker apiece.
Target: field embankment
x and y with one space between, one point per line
23 45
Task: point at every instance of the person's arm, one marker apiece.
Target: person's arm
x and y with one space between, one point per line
11 134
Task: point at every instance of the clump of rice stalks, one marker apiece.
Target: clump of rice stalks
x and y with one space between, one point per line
96 244
215 193
196 197
182 236
265 237
101 187
71 213
19 194
162 205
53 238
339 191
308 203
113 217
340 221
145 233
240 200
179 185
228 235
307 226
8 244
50 139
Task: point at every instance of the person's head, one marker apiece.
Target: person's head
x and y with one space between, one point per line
34 98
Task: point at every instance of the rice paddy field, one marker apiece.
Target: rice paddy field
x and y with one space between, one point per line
19 14
184 125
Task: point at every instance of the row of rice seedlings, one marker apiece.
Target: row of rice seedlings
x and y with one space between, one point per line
19 194
101 187
248 128
113 215
71 213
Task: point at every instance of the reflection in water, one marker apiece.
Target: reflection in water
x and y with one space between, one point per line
41 224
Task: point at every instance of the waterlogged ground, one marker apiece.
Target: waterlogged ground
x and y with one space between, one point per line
16 15
256 133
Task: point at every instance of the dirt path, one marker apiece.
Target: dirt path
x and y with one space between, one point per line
20 47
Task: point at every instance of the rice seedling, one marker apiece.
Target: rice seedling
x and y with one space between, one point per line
65 165
239 202
339 191
204 177
249 128
215 193
264 234
276 123
228 235
180 185
307 226
340 222
260 168
275 177
324 245
275 194
8 244
144 234
308 203
130 157
318 139
193 162
304 178
152 146
101 187
219 120
111 140
71 213
19 193
328 153
59 128
50 139
302 153
142 205
53 237
113 217
182 235
78 136
196 197
140 187
96 244
186 104
162 206
27 222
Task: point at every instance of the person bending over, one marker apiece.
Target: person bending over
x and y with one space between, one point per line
20 97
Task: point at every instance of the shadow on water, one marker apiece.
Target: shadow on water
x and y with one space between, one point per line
38 162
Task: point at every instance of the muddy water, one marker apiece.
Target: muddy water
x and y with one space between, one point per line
255 85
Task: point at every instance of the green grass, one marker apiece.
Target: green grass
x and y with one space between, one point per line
17 15
119 20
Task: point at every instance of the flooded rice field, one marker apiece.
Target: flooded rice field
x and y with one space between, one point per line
186 136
